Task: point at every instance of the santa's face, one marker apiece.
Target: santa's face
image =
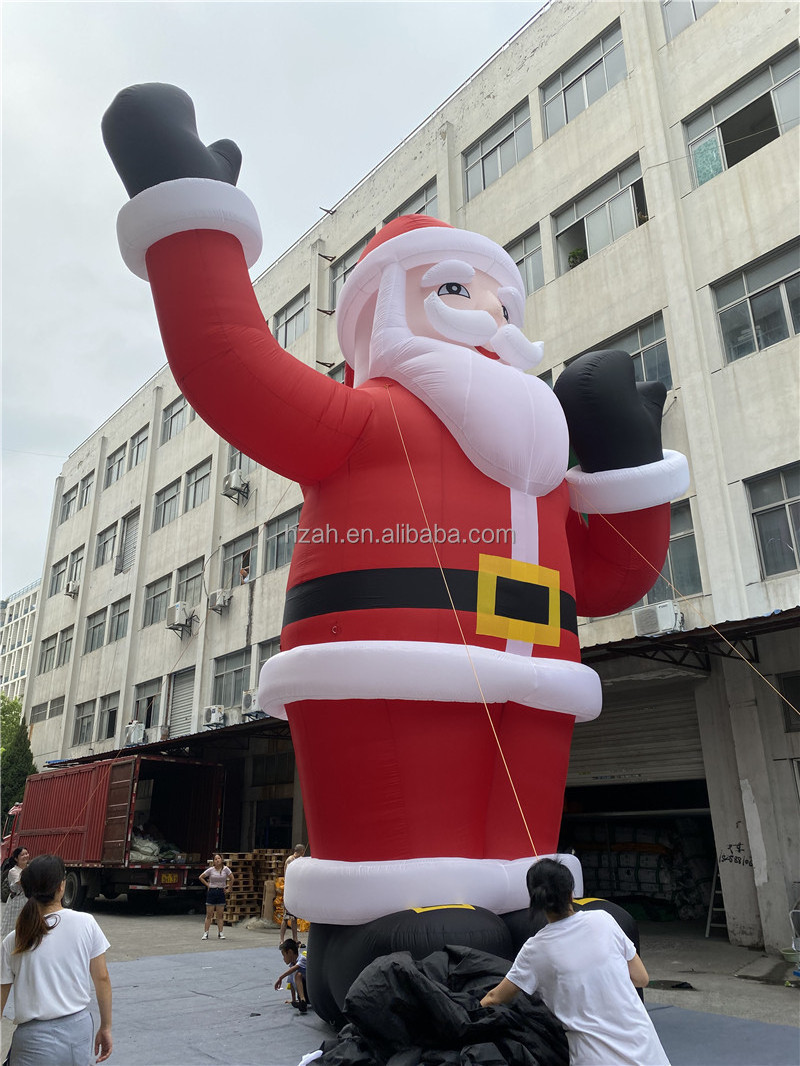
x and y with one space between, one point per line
452 301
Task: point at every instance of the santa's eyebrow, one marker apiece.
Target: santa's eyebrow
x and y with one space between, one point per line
448 270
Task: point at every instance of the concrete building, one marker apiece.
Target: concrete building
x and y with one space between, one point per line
640 163
17 614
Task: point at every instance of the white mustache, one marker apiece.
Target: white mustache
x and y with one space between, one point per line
479 328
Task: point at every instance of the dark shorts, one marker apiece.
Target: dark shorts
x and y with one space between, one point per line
215 897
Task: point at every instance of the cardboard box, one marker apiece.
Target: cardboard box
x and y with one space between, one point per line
267 900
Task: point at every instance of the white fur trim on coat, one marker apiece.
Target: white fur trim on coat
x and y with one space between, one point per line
352 893
423 671
181 205
634 488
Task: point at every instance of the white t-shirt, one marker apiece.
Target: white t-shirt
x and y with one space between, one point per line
217 878
579 965
53 980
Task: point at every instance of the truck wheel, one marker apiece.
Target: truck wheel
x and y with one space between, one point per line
74 891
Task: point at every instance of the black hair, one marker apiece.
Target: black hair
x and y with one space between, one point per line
40 880
550 887
290 945
11 861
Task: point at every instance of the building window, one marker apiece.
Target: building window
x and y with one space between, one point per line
527 254
239 461
58 577
118 619
56 707
600 216
342 268
38 713
174 417
760 305
678 14
166 505
107 719
647 346
65 646
115 466
775 506
105 545
75 569
198 485
424 202
498 151
85 492
547 377
292 320
156 600
138 448
680 575
789 686
190 582
583 80
239 560
69 504
47 654
129 534
147 703
266 649
231 678
746 118
84 720
337 374
281 534
95 631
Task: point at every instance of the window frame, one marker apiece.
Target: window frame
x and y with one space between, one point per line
69 504
163 512
156 601
425 201
86 485
343 267
232 674
578 69
56 707
650 335
118 619
524 257
107 716
47 654
104 545
83 726
147 702
666 5
95 632
137 450
197 487
77 558
239 554
490 146
239 461
115 465
293 319
277 534
186 582
779 281
667 575
58 576
66 639
712 133
786 504
175 417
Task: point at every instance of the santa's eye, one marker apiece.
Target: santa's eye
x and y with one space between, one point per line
453 288
505 313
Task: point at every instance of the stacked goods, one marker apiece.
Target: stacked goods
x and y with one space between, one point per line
277 906
268 868
245 897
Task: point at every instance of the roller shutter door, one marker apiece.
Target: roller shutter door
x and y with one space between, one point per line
180 710
652 736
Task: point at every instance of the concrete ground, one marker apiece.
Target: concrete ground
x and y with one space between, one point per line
182 1002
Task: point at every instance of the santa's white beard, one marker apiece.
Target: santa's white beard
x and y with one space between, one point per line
508 423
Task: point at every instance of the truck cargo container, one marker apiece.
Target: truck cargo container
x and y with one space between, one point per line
104 817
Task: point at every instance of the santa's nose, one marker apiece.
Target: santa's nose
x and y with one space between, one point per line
489 301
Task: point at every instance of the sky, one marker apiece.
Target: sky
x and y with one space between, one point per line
315 94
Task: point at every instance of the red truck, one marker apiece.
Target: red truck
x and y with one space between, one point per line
104 817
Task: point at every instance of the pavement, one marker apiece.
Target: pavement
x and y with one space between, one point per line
182 1002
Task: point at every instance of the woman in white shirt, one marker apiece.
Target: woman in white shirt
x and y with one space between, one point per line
218 879
49 961
587 972
12 868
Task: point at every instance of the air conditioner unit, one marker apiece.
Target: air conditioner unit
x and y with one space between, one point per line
134 733
250 700
179 616
657 618
214 717
72 588
233 717
219 600
234 486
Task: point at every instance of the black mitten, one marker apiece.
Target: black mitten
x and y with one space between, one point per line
614 421
151 135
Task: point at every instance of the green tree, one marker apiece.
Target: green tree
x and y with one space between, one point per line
16 760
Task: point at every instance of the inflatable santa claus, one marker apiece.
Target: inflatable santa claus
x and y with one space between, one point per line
429 667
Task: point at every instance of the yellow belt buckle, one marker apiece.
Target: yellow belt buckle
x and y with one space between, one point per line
489 623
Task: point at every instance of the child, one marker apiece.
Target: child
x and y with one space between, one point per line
296 973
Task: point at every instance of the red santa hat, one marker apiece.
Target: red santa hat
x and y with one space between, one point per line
413 241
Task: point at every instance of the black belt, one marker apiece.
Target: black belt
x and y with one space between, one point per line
422 588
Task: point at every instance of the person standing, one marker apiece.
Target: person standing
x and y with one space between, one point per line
290 919
49 961
12 869
587 972
218 879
